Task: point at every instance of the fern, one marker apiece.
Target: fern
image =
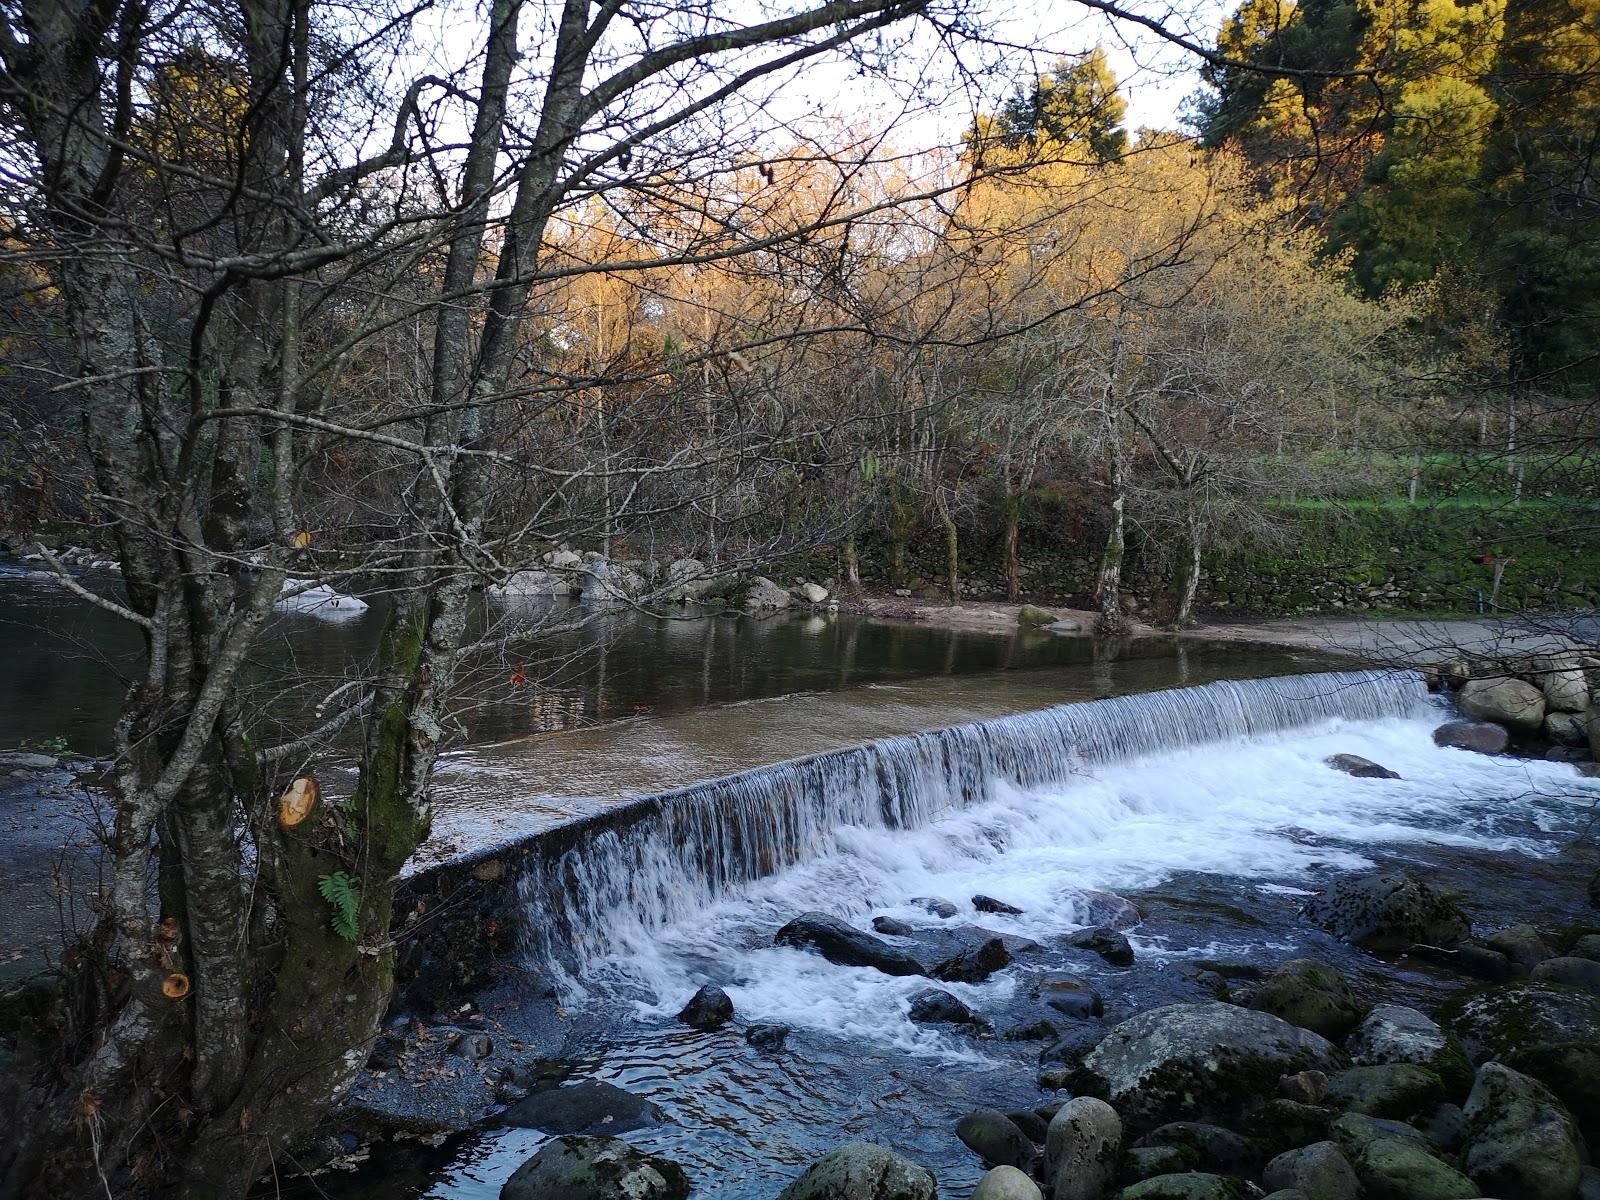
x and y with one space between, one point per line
344 897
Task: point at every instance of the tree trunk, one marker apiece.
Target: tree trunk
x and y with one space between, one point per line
1112 622
1013 518
952 546
852 564
1189 585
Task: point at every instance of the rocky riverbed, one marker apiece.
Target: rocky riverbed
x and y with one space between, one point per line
1388 988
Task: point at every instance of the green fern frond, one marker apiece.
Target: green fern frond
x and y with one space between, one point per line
344 897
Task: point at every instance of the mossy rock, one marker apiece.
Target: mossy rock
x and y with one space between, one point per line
1400 1091
1280 1125
1520 1140
1499 1021
595 1168
1569 1069
1398 1169
862 1171
1311 994
1189 1185
1034 617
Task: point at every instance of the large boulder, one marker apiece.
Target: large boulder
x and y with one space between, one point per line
609 583
1508 702
596 1168
1081 1149
583 1108
1398 1168
1515 1017
1402 1091
812 593
1481 737
995 1138
762 595
1574 972
1520 1140
1391 1033
1199 1062
1103 909
1387 911
534 583
1310 994
1521 944
689 581
862 1171
973 965
1188 1185
1569 1069
842 943
1565 690
1318 1172
1206 1147
1565 728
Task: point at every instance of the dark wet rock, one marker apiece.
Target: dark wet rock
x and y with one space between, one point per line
1500 1021
583 1108
1392 1168
1484 737
1574 972
595 1168
1520 1139
1190 1185
892 927
1397 1090
1353 1130
472 1046
1031 1123
1146 1162
988 904
1569 1069
1068 995
1521 944
1446 1126
1075 1043
1280 1124
974 965
1312 995
1033 1031
1510 702
1361 768
1209 982
386 1052
1318 1172
996 1139
767 1037
1104 941
1589 1184
708 1009
862 1171
1391 1033
1081 1149
1199 1061
1387 911
1006 1183
1477 962
842 943
1209 1147
1304 1087
1055 1079
934 1006
1588 946
935 906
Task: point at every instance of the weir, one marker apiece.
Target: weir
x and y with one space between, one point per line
657 860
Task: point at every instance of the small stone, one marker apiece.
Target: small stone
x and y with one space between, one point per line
1521 944
934 1006
1106 942
862 1171
1304 1087
1146 1162
933 905
1318 1172
1033 1031
472 1046
1069 996
1360 768
891 927
767 1037
988 904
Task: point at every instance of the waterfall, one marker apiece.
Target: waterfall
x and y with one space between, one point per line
659 859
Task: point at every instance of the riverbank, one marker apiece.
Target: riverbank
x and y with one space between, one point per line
1379 641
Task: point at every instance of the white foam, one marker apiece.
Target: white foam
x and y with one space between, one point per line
319 600
1266 809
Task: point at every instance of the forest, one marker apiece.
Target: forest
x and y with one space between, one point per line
295 296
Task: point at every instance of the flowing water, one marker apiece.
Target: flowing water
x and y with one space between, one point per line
1211 806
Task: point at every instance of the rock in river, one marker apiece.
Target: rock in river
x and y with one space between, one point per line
842 943
1482 737
935 1006
862 1171
995 1138
1387 911
708 1009
1104 941
1520 1140
595 1168
1360 768
583 1108
1503 701
1199 1062
1081 1149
